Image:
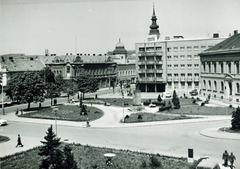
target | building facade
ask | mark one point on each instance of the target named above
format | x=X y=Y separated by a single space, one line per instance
x=220 y=71
x=170 y=64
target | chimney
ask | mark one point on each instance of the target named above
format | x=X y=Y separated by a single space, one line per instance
x=46 y=52
x=235 y=32
x=215 y=35
x=77 y=54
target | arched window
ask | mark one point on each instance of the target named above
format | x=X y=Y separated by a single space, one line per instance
x=68 y=69
x=238 y=88
x=204 y=84
x=209 y=84
x=215 y=85
x=222 y=86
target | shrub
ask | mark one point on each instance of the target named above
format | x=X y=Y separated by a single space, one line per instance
x=144 y=164
x=230 y=106
x=194 y=101
x=203 y=103
x=168 y=107
x=139 y=117
x=154 y=162
x=146 y=103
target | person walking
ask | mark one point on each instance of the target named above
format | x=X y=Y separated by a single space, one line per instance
x=231 y=159
x=19 y=142
x=225 y=158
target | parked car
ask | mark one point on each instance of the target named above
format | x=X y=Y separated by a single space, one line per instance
x=166 y=95
x=194 y=92
x=3 y=122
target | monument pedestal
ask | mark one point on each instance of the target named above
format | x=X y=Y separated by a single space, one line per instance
x=137 y=97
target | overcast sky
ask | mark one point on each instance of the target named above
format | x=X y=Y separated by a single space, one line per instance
x=95 y=26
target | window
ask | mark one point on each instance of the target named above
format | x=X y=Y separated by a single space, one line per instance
x=196 y=48
x=189 y=48
x=169 y=66
x=238 y=88
x=175 y=66
x=204 y=67
x=68 y=69
x=169 y=57
x=182 y=49
x=237 y=68
x=204 y=84
x=175 y=49
x=209 y=85
x=203 y=47
x=222 y=86
x=221 y=65
x=169 y=75
x=189 y=57
x=182 y=66
x=215 y=67
x=209 y=67
x=175 y=57
x=196 y=65
x=182 y=57
x=215 y=85
x=159 y=48
x=196 y=57
x=189 y=66
x=169 y=49
x=229 y=67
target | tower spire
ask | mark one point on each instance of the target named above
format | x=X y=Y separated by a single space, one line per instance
x=154 y=27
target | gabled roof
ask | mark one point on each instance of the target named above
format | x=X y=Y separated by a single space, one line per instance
x=230 y=45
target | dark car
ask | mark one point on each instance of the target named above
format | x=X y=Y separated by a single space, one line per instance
x=194 y=92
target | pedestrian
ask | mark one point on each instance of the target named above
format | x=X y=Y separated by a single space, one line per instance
x=17 y=112
x=225 y=158
x=19 y=142
x=231 y=159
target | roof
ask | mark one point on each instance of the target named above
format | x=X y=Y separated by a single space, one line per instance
x=230 y=45
x=19 y=65
x=119 y=49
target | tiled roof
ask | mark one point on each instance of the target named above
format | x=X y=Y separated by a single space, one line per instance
x=229 y=45
x=23 y=65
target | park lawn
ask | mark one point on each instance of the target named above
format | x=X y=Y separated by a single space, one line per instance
x=93 y=157
x=65 y=112
x=150 y=117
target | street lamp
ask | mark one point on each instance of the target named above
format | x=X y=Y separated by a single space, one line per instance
x=3 y=70
x=123 y=107
x=55 y=109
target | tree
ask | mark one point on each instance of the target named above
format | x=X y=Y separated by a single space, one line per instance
x=53 y=85
x=70 y=87
x=236 y=119
x=87 y=84
x=159 y=98
x=26 y=87
x=49 y=150
x=69 y=162
x=175 y=100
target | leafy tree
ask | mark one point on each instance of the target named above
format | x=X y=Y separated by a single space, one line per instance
x=175 y=100
x=53 y=85
x=70 y=87
x=87 y=84
x=159 y=98
x=69 y=162
x=26 y=87
x=50 y=151
x=154 y=162
x=236 y=119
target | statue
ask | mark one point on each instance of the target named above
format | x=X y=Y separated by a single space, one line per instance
x=137 y=85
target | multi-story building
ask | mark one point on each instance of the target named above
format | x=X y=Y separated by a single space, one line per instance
x=220 y=73
x=170 y=64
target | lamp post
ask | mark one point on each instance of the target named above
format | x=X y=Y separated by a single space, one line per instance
x=123 y=107
x=3 y=70
x=55 y=109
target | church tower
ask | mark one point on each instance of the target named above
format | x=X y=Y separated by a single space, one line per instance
x=154 y=32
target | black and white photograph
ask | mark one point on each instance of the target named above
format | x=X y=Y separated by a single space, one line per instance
x=120 y=84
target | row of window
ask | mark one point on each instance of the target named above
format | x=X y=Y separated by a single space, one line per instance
x=212 y=68
x=183 y=57
x=183 y=75
x=182 y=66
x=188 y=48
x=126 y=72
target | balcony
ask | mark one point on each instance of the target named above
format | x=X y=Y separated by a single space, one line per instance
x=160 y=62
x=150 y=62
x=176 y=78
x=150 y=79
x=141 y=70
x=150 y=70
x=158 y=79
x=196 y=79
x=169 y=79
x=158 y=70
x=141 y=62
x=182 y=78
x=189 y=78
